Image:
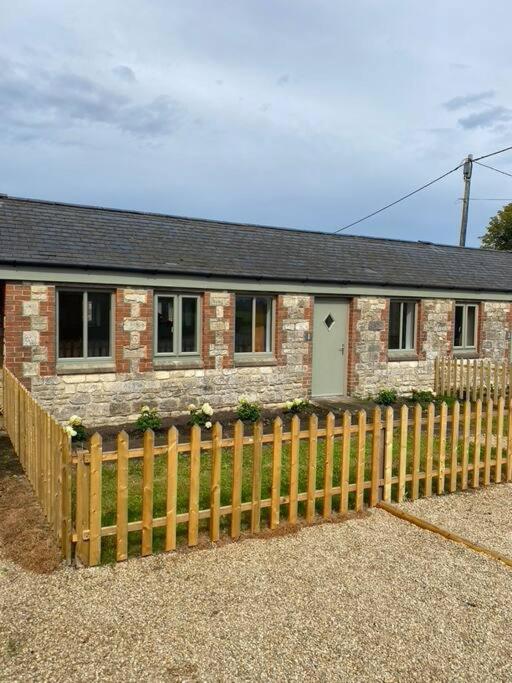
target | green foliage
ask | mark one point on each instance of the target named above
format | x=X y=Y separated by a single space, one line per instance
x=422 y=397
x=449 y=400
x=76 y=429
x=297 y=406
x=499 y=230
x=247 y=411
x=201 y=415
x=148 y=419
x=386 y=397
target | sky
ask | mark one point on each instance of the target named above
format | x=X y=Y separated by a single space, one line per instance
x=297 y=113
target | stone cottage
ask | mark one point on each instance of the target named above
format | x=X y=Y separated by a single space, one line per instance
x=105 y=310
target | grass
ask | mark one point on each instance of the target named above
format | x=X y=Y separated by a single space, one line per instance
x=160 y=476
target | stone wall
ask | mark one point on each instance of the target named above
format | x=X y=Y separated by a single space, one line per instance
x=495 y=326
x=116 y=397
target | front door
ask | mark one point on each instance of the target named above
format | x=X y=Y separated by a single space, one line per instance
x=330 y=320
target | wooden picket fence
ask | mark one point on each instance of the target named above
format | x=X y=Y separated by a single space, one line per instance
x=210 y=485
x=472 y=378
x=43 y=448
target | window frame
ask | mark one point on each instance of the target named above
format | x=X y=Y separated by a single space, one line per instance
x=414 y=348
x=85 y=334
x=271 y=335
x=177 y=298
x=465 y=305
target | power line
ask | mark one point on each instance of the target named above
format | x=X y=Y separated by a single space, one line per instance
x=486 y=199
x=498 y=170
x=499 y=151
x=397 y=201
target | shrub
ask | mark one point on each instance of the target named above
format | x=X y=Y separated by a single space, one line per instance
x=297 y=406
x=386 y=397
x=148 y=419
x=201 y=415
x=422 y=397
x=75 y=428
x=247 y=411
x=449 y=400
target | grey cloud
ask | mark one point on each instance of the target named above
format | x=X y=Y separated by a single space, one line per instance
x=283 y=80
x=40 y=101
x=462 y=101
x=487 y=118
x=124 y=73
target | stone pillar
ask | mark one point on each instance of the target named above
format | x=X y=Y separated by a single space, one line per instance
x=134 y=330
x=495 y=326
x=218 y=329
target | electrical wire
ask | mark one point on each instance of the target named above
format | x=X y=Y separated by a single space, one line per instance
x=498 y=170
x=499 y=151
x=397 y=201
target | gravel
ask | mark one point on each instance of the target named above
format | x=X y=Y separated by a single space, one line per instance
x=482 y=515
x=370 y=599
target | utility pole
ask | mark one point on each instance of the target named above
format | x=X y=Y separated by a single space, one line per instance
x=466 y=174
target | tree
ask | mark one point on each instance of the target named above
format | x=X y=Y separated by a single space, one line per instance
x=499 y=231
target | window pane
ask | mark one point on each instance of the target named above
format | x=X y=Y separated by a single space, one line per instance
x=71 y=340
x=188 y=325
x=459 y=316
x=98 y=324
x=394 y=325
x=165 y=325
x=409 y=309
x=243 y=324
x=471 y=326
x=262 y=331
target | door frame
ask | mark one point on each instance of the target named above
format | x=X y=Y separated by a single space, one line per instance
x=345 y=342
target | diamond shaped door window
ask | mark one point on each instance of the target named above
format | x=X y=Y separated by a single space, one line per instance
x=329 y=321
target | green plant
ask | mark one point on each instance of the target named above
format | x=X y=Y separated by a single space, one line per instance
x=423 y=397
x=297 y=406
x=449 y=400
x=201 y=415
x=148 y=419
x=75 y=429
x=247 y=411
x=386 y=397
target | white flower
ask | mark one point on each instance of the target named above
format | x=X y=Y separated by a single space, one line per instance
x=207 y=409
x=208 y=424
x=191 y=407
x=69 y=430
x=145 y=409
x=288 y=405
x=75 y=420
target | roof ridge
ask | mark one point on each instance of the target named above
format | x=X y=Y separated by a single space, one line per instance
x=310 y=231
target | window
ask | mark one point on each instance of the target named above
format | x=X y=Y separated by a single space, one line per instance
x=402 y=325
x=253 y=324
x=464 y=332
x=177 y=324
x=84 y=324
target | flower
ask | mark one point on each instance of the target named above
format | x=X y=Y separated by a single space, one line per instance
x=69 y=430
x=207 y=409
x=75 y=420
x=145 y=409
x=191 y=407
x=288 y=405
x=208 y=424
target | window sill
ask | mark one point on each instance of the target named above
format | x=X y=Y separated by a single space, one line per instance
x=397 y=356
x=188 y=363
x=463 y=353
x=254 y=360
x=85 y=367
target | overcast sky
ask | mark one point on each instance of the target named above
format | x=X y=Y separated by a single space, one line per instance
x=304 y=113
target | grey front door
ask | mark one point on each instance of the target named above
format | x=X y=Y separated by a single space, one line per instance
x=330 y=320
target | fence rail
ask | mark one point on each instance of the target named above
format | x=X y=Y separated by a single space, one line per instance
x=112 y=504
x=43 y=449
x=472 y=378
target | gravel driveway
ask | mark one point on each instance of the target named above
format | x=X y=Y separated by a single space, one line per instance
x=369 y=599
x=483 y=515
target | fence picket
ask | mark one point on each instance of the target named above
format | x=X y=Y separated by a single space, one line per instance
x=312 y=461
x=215 y=482
x=83 y=486
x=465 y=444
x=499 y=441
x=416 y=456
x=429 y=448
x=328 y=464
x=376 y=456
x=236 y=491
x=172 y=489
x=478 y=443
x=402 y=461
x=95 y=449
x=122 y=496
x=65 y=498
x=294 y=469
x=360 y=460
x=509 y=436
x=488 y=442
x=277 y=448
x=193 y=499
x=441 y=463
x=345 y=461
x=454 y=446
x=388 y=454
x=256 y=478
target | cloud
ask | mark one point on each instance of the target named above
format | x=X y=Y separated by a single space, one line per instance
x=40 y=102
x=462 y=101
x=124 y=73
x=283 y=80
x=488 y=118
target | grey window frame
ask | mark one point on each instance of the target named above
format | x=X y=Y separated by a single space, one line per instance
x=84 y=358
x=177 y=297
x=271 y=312
x=413 y=348
x=465 y=305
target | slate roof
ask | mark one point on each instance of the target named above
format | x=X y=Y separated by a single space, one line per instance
x=34 y=232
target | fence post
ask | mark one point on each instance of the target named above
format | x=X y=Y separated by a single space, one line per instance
x=83 y=478
x=65 y=497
